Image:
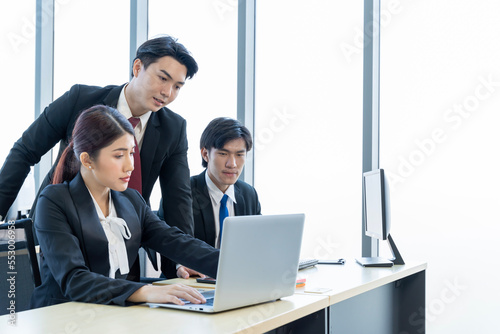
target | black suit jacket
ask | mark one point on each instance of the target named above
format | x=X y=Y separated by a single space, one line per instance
x=75 y=262
x=247 y=203
x=163 y=152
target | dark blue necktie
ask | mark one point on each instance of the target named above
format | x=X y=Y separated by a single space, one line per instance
x=223 y=213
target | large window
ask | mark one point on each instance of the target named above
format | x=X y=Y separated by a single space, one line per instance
x=209 y=32
x=308 y=115
x=17 y=54
x=440 y=97
x=91 y=44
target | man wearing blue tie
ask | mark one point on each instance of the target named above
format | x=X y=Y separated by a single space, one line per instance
x=217 y=192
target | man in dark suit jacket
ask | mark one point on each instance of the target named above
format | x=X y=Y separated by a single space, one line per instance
x=224 y=145
x=247 y=203
x=160 y=69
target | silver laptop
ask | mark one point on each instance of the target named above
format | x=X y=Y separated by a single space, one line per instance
x=258 y=262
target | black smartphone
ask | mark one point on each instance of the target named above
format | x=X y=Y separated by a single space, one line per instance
x=209 y=280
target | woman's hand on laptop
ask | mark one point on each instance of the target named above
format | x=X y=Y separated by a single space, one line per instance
x=185 y=272
x=167 y=294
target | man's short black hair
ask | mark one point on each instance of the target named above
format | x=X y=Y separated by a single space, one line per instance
x=222 y=130
x=152 y=50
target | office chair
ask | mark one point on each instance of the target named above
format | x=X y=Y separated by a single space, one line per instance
x=19 y=271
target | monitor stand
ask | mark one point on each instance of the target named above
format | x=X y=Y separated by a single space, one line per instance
x=374 y=262
x=382 y=262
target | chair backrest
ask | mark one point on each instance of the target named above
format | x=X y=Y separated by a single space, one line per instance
x=19 y=271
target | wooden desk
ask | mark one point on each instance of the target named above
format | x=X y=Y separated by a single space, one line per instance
x=371 y=300
x=95 y=319
x=360 y=300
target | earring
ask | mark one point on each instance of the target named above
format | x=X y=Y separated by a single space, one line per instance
x=90 y=167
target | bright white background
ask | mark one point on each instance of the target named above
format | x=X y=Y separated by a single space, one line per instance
x=91 y=43
x=308 y=103
x=435 y=57
x=17 y=54
x=210 y=34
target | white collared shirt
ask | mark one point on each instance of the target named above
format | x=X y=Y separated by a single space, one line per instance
x=216 y=195
x=116 y=230
x=124 y=109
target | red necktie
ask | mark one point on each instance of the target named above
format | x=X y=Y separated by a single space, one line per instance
x=135 y=179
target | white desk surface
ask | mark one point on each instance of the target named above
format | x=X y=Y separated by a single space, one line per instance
x=84 y=318
x=344 y=281
x=351 y=279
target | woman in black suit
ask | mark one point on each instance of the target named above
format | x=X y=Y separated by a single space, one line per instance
x=90 y=226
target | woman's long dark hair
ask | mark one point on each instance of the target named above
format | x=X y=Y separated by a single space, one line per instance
x=95 y=128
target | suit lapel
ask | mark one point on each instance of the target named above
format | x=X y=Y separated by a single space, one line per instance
x=94 y=239
x=207 y=211
x=125 y=210
x=239 y=206
x=112 y=98
x=95 y=243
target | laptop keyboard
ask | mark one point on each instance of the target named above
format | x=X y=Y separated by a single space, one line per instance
x=306 y=263
x=209 y=296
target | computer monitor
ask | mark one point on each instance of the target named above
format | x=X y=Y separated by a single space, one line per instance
x=377 y=214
